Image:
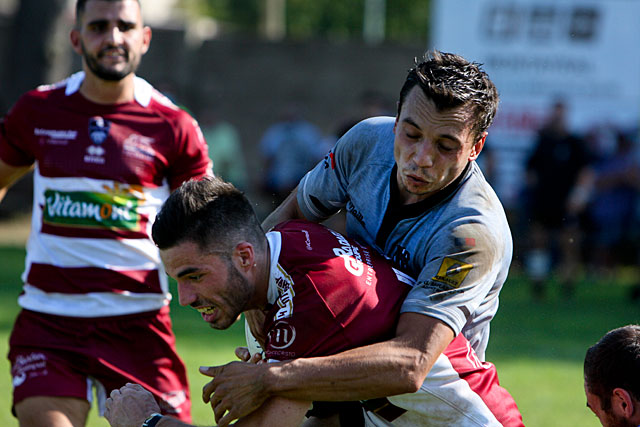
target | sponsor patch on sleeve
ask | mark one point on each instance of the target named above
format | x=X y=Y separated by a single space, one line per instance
x=452 y=272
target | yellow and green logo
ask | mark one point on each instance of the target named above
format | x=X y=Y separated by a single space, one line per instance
x=93 y=210
x=452 y=272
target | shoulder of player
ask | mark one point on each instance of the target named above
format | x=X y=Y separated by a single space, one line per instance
x=370 y=132
x=43 y=93
x=368 y=142
x=172 y=114
x=34 y=103
x=297 y=226
x=474 y=197
x=475 y=204
x=162 y=105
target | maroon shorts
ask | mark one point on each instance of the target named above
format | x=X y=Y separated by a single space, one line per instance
x=65 y=356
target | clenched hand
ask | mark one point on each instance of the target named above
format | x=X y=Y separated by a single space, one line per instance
x=129 y=406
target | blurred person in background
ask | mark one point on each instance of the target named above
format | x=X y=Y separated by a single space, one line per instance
x=612 y=377
x=371 y=103
x=552 y=171
x=224 y=146
x=106 y=149
x=289 y=148
x=612 y=211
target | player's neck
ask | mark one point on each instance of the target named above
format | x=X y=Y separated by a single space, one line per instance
x=107 y=92
x=263 y=275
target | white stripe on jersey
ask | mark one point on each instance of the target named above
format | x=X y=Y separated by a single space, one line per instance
x=404 y=278
x=125 y=254
x=93 y=304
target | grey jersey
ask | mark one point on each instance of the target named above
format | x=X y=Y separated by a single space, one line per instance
x=457 y=243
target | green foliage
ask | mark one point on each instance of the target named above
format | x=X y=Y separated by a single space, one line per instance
x=538 y=348
x=235 y=15
x=324 y=19
x=407 y=20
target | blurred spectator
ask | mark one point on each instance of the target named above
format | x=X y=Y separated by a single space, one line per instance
x=553 y=169
x=225 y=149
x=371 y=104
x=289 y=149
x=612 y=377
x=612 y=211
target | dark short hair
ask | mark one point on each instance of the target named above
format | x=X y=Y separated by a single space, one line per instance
x=613 y=362
x=451 y=81
x=209 y=212
x=80 y=5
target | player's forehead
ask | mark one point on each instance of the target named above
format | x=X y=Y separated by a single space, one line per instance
x=188 y=257
x=108 y=10
x=422 y=112
x=180 y=256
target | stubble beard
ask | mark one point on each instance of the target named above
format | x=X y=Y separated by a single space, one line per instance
x=109 y=74
x=237 y=298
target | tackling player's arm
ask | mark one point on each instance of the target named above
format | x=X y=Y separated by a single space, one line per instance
x=392 y=367
x=276 y=411
x=287 y=210
x=10 y=174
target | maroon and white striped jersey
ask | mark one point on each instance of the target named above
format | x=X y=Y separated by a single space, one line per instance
x=101 y=174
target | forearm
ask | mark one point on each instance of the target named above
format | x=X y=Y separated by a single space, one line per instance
x=392 y=367
x=382 y=369
x=9 y=175
x=363 y=373
x=288 y=209
x=276 y=411
x=171 y=422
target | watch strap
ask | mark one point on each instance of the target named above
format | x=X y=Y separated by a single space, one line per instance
x=152 y=420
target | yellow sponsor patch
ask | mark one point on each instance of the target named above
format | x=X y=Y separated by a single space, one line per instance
x=452 y=272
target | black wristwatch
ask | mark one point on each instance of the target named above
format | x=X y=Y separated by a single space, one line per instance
x=152 y=420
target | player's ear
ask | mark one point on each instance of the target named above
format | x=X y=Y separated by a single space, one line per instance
x=622 y=403
x=146 y=39
x=244 y=256
x=74 y=36
x=477 y=146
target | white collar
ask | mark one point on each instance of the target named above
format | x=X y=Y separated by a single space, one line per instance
x=274 y=238
x=142 y=89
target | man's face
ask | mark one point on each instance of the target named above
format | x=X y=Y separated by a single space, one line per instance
x=209 y=283
x=607 y=419
x=111 y=38
x=431 y=148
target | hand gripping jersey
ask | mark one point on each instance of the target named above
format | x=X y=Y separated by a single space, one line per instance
x=102 y=173
x=456 y=243
x=328 y=294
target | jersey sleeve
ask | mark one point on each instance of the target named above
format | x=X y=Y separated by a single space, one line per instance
x=191 y=157
x=459 y=272
x=14 y=145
